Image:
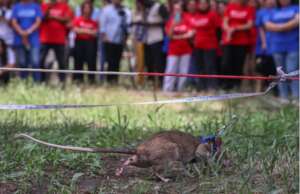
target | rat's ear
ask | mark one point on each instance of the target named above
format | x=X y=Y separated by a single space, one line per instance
x=218 y=141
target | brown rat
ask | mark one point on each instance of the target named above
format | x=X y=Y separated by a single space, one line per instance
x=156 y=152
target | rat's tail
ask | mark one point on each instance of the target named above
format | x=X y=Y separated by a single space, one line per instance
x=80 y=149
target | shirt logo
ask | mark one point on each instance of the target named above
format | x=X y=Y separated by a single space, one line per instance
x=238 y=14
x=199 y=22
x=56 y=12
x=26 y=13
x=86 y=25
x=180 y=29
x=284 y=15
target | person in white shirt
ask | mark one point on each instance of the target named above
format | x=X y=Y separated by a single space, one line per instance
x=114 y=25
x=6 y=32
x=156 y=15
x=7 y=59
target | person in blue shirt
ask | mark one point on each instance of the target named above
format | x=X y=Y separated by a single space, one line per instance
x=264 y=61
x=26 y=19
x=283 y=24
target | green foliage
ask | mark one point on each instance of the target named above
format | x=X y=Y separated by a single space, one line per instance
x=262 y=146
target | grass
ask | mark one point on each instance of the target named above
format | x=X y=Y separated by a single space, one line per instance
x=262 y=145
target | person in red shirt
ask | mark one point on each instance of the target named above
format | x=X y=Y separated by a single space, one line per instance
x=249 y=67
x=54 y=30
x=206 y=23
x=86 y=30
x=192 y=10
x=179 y=53
x=237 y=24
x=221 y=6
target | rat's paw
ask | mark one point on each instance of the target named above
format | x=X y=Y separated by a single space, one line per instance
x=119 y=171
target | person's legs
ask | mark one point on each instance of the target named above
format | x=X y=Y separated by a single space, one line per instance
x=227 y=66
x=59 y=50
x=43 y=54
x=79 y=60
x=183 y=66
x=172 y=67
x=35 y=62
x=148 y=58
x=193 y=70
x=199 y=63
x=107 y=51
x=102 y=58
x=280 y=61
x=113 y=57
x=21 y=60
x=292 y=64
x=91 y=58
x=210 y=64
x=4 y=78
x=157 y=59
x=239 y=57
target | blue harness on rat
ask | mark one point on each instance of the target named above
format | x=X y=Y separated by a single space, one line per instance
x=216 y=140
x=210 y=139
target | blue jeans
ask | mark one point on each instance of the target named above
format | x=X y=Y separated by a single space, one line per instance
x=289 y=61
x=25 y=58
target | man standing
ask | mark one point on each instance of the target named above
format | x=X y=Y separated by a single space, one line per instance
x=114 y=23
x=54 y=31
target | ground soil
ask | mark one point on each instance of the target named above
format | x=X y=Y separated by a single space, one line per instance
x=134 y=180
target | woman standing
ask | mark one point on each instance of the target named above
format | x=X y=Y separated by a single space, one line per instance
x=264 y=60
x=86 y=30
x=179 y=52
x=206 y=24
x=26 y=20
x=283 y=23
x=237 y=23
x=192 y=10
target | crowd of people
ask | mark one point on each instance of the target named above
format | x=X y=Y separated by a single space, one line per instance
x=233 y=37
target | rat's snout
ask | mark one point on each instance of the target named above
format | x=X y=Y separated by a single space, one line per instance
x=119 y=171
x=203 y=150
x=133 y=159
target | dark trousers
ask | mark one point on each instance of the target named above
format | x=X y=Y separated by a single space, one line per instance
x=265 y=65
x=59 y=50
x=206 y=62
x=113 y=55
x=154 y=58
x=232 y=64
x=4 y=78
x=85 y=52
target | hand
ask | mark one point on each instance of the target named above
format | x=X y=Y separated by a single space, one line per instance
x=229 y=32
x=263 y=46
x=174 y=23
x=28 y=31
x=25 y=41
x=52 y=17
x=105 y=38
x=23 y=33
x=296 y=17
